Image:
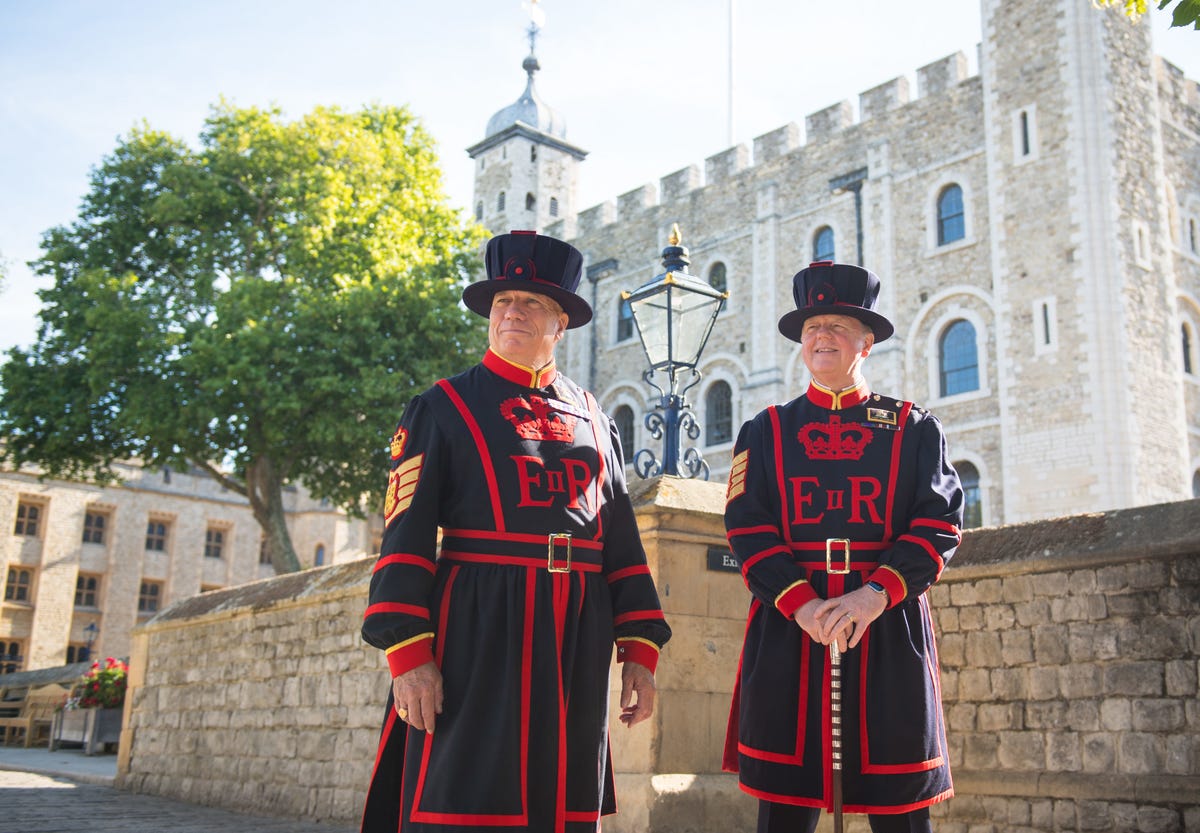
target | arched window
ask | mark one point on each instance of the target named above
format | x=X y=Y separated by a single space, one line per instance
x=1196 y=484
x=1186 y=336
x=533 y=153
x=624 y=320
x=958 y=359
x=623 y=417
x=479 y=211
x=950 y=219
x=718 y=279
x=554 y=206
x=718 y=414
x=500 y=202
x=823 y=244
x=968 y=475
x=319 y=555
x=530 y=202
x=1193 y=240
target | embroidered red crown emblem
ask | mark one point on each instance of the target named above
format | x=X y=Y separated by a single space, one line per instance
x=835 y=441
x=536 y=419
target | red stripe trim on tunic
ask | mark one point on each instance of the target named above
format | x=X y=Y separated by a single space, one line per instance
x=819 y=566
x=397 y=607
x=561 y=593
x=635 y=570
x=780 y=798
x=638 y=616
x=870 y=546
x=404 y=558
x=585 y=816
x=759 y=556
x=929 y=550
x=777 y=443
x=485 y=457
x=893 y=471
x=750 y=530
x=529 y=562
x=899 y=808
x=936 y=524
x=593 y=408
x=518 y=537
x=773 y=757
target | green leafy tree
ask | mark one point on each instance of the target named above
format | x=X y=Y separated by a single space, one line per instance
x=1186 y=13
x=261 y=308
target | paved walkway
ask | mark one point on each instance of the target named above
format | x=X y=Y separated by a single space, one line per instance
x=66 y=791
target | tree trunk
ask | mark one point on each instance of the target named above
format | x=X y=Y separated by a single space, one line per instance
x=264 y=488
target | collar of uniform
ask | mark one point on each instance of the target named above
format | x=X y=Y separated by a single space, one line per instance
x=818 y=394
x=518 y=373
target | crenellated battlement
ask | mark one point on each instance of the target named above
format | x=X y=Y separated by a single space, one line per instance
x=824 y=125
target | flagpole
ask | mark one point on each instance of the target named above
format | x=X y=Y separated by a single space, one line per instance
x=730 y=103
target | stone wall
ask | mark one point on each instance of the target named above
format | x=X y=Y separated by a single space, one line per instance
x=1070 y=653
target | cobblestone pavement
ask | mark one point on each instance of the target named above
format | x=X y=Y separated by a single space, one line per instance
x=35 y=803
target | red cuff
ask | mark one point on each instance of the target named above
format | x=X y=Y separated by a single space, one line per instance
x=410 y=653
x=642 y=651
x=892 y=582
x=794 y=598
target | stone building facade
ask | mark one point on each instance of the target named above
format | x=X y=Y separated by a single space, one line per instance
x=84 y=564
x=1037 y=229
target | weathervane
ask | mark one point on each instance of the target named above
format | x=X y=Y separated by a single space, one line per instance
x=537 y=19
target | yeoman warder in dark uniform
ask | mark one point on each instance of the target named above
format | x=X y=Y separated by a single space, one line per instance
x=500 y=641
x=842 y=509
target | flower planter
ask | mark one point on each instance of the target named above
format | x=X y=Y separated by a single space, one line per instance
x=92 y=728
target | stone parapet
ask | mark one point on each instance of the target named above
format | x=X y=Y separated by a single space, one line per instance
x=1069 y=654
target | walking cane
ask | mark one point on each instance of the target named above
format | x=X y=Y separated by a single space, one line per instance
x=835 y=744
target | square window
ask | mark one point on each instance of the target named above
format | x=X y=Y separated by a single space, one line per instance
x=11 y=657
x=149 y=596
x=156 y=536
x=94 y=525
x=214 y=542
x=18 y=587
x=87 y=589
x=29 y=515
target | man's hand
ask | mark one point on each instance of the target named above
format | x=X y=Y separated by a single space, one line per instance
x=636 y=679
x=845 y=618
x=418 y=696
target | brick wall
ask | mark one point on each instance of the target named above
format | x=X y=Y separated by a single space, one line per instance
x=1070 y=652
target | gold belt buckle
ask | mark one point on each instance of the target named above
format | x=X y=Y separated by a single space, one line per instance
x=553 y=538
x=844 y=543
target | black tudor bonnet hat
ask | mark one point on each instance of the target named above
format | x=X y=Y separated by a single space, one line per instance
x=531 y=262
x=828 y=288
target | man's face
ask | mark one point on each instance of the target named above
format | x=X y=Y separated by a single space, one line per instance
x=833 y=346
x=524 y=327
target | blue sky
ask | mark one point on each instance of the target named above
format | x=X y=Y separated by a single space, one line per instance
x=642 y=85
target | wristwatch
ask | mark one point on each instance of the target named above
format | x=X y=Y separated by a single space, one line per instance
x=877 y=587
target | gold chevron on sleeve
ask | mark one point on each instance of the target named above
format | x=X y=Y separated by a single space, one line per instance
x=737 y=476
x=402 y=485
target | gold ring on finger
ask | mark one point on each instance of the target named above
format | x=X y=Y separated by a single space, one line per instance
x=403 y=713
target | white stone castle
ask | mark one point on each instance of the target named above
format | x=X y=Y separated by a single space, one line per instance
x=1036 y=227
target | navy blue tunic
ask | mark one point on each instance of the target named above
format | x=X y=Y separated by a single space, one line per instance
x=521 y=471
x=826 y=493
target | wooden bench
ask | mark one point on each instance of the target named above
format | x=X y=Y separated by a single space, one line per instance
x=36 y=711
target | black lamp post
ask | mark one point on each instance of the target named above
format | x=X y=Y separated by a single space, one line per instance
x=91 y=630
x=674 y=316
